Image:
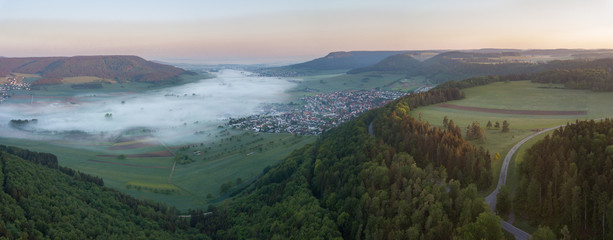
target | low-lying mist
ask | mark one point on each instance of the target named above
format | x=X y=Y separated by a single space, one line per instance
x=173 y=114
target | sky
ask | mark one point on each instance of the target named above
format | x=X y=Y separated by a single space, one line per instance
x=275 y=31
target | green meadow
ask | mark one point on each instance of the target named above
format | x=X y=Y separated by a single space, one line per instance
x=227 y=155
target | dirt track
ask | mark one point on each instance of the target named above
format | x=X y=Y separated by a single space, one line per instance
x=509 y=111
x=126 y=164
x=131 y=146
x=143 y=155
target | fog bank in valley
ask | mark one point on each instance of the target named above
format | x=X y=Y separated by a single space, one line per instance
x=171 y=112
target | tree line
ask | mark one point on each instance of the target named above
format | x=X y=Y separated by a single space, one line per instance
x=595 y=79
x=49 y=160
x=591 y=77
x=39 y=202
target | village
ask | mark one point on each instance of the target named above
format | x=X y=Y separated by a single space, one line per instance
x=320 y=112
x=11 y=82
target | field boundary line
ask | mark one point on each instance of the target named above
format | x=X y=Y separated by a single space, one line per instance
x=511 y=111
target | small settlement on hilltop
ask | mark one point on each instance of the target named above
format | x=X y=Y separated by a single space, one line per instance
x=11 y=82
x=319 y=112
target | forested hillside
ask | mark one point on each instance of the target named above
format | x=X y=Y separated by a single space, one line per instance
x=400 y=62
x=40 y=201
x=398 y=183
x=567 y=180
x=345 y=60
x=120 y=68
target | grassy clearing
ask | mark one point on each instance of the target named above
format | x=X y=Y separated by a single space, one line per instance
x=524 y=95
x=513 y=179
x=513 y=175
x=233 y=155
x=156 y=188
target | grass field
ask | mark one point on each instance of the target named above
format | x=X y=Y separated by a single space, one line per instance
x=223 y=156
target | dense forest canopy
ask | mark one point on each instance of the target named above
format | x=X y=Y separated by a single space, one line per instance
x=359 y=181
x=567 y=180
x=43 y=200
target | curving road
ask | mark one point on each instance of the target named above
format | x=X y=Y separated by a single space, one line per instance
x=502 y=180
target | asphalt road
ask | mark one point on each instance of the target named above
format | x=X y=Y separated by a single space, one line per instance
x=502 y=180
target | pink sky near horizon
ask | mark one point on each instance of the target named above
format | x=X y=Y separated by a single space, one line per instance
x=272 y=31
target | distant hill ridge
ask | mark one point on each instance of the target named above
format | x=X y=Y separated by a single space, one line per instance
x=116 y=67
x=346 y=60
x=453 y=65
x=399 y=62
x=443 y=65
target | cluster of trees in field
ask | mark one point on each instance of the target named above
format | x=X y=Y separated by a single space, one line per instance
x=40 y=202
x=474 y=132
x=350 y=184
x=22 y=123
x=566 y=180
x=505 y=125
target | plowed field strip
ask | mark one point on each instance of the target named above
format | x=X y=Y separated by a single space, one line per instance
x=510 y=111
